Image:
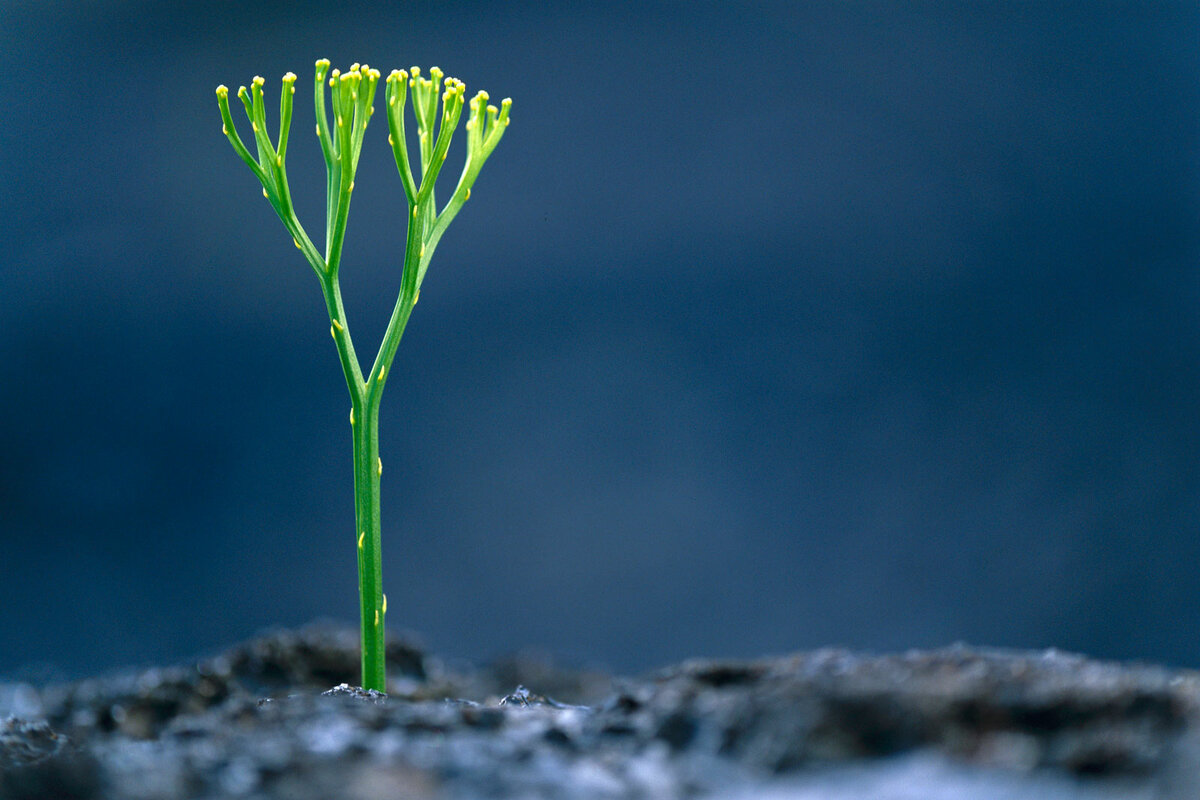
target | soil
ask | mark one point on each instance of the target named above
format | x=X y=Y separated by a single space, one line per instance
x=276 y=718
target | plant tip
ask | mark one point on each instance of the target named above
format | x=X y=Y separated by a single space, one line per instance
x=222 y=91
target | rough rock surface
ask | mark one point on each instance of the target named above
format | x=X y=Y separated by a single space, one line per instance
x=262 y=721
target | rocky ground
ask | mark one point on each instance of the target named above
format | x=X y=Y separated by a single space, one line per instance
x=270 y=719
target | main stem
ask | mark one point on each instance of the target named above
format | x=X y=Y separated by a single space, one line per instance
x=370 y=566
x=364 y=422
x=365 y=395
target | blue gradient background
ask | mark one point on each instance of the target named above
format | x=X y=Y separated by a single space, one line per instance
x=769 y=326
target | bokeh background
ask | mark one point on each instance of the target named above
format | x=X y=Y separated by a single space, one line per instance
x=769 y=326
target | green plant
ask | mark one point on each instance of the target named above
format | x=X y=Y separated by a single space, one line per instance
x=353 y=96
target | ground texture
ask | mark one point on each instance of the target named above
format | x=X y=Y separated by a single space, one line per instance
x=272 y=719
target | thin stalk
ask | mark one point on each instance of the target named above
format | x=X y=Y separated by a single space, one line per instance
x=372 y=603
x=352 y=102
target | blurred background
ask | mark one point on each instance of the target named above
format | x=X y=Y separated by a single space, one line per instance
x=769 y=326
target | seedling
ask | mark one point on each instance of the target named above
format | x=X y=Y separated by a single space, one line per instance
x=353 y=97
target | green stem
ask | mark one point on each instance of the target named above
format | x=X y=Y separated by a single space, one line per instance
x=367 y=469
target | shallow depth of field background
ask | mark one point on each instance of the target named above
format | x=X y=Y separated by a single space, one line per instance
x=768 y=326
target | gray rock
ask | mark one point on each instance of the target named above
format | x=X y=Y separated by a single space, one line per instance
x=261 y=721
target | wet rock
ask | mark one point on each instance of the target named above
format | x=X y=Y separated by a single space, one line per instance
x=262 y=721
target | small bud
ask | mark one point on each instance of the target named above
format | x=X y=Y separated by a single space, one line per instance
x=224 y=130
x=318 y=127
x=279 y=161
x=352 y=416
x=416 y=297
x=376 y=616
x=296 y=243
x=350 y=188
x=385 y=604
x=379 y=467
x=391 y=141
x=339 y=120
x=337 y=325
x=361 y=536
x=332 y=335
x=265 y=193
x=467 y=196
x=414 y=212
x=420 y=254
x=254 y=126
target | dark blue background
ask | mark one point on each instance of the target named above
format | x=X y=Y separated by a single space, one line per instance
x=768 y=326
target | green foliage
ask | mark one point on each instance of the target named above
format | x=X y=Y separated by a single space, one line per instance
x=352 y=96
